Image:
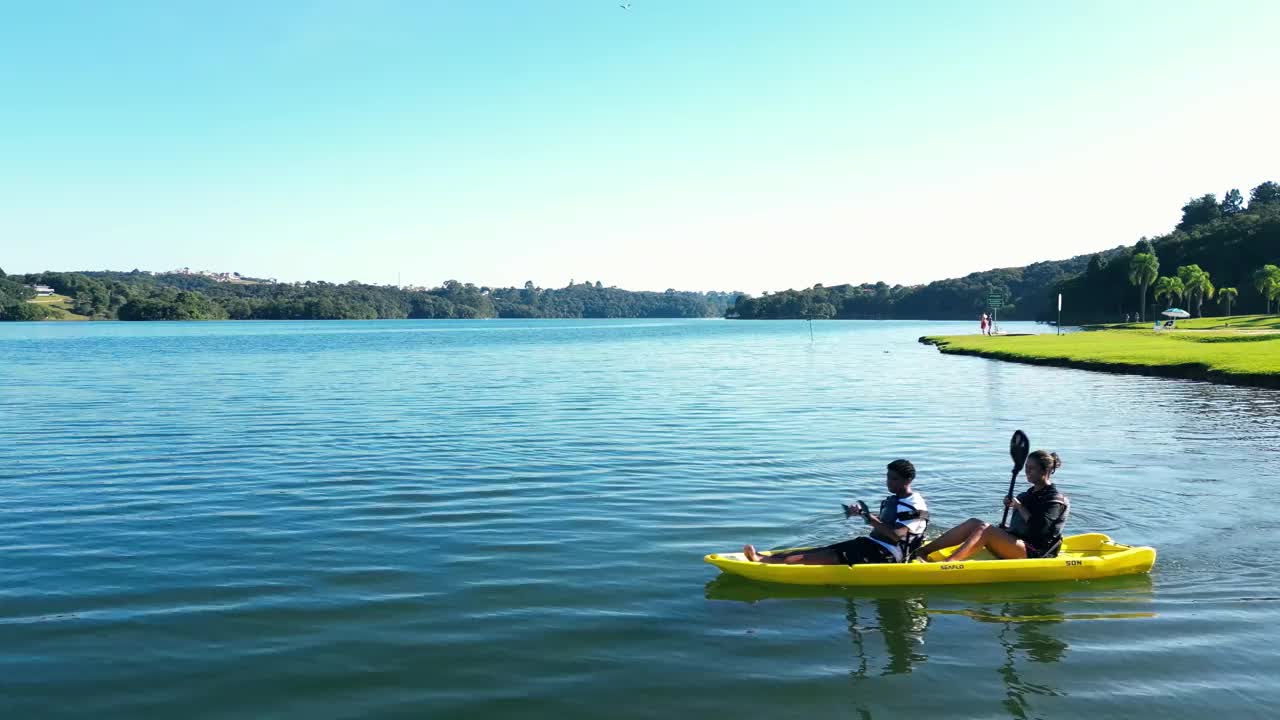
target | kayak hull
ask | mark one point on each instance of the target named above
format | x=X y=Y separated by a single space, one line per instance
x=1082 y=557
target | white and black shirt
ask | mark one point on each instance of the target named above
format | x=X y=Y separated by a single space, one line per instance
x=910 y=512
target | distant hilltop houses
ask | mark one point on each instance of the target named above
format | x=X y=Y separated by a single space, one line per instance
x=42 y=290
x=227 y=277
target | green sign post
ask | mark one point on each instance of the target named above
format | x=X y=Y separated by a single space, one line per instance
x=995 y=301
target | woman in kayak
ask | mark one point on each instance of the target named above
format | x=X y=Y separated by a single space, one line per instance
x=895 y=532
x=1038 y=517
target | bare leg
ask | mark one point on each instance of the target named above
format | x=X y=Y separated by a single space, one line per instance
x=818 y=556
x=954 y=536
x=1000 y=543
x=1005 y=546
x=971 y=544
x=815 y=556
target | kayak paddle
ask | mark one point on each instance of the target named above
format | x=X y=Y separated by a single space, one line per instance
x=1019 y=448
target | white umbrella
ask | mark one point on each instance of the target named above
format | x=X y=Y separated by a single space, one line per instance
x=1176 y=313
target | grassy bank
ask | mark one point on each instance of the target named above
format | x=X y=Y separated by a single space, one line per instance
x=61 y=304
x=1238 y=357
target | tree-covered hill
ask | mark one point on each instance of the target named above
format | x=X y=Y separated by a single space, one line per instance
x=952 y=299
x=1230 y=248
x=1227 y=241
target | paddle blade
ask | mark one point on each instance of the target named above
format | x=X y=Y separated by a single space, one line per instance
x=1019 y=448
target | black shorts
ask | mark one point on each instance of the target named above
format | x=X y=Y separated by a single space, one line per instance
x=862 y=551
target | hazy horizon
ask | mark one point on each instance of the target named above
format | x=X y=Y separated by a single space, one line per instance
x=719 y=146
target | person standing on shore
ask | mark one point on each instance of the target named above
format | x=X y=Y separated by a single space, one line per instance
x=982 y=325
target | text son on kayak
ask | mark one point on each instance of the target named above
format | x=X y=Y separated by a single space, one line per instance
x=896 y=531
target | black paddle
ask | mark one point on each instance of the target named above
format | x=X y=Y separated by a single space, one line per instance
x=1019 y=448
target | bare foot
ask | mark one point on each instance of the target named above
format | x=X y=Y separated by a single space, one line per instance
x=750 y=552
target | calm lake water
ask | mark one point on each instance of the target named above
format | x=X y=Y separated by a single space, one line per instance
x=507 y=519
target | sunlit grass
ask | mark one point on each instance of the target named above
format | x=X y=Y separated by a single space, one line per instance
x=1232 y=356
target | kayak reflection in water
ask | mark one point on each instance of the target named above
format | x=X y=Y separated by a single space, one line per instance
x=895 y=532
x=902 y=623
x=1038 y=518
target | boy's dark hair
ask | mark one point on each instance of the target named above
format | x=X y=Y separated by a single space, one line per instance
x=904 y=469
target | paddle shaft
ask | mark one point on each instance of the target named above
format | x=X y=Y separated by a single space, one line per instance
x=1013 y=481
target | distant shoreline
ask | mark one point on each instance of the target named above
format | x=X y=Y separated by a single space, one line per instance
x=141 y=296
x=81 y=318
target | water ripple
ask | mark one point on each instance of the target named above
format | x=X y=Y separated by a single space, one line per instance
x=472 y=519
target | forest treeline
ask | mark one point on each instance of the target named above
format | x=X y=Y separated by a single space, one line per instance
x=138 y=295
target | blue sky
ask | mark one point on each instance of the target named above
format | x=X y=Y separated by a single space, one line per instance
x=699 y=145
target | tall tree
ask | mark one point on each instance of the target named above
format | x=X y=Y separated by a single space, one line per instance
x=1169 y=288
x=1143 y=270
x=1226 y=295
x=1267 y=281
x=1197 y=284
x=1268 y=193
x=1232 y=202
x=1200 y=211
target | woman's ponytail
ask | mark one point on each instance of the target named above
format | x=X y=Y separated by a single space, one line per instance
x=1047 y=460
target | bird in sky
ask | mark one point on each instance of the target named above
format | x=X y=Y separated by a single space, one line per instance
x=627 y=6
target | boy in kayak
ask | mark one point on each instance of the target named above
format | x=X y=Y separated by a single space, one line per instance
x=895 y=532
x=1039 y=515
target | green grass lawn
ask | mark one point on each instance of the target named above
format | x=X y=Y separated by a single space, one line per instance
x=59 y=303
x=1223 y=356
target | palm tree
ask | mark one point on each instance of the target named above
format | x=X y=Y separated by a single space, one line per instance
x=1226 y=295
x=1197 y=284
x=1169 y=287
x=1267 y=281
x=1206 y=290
x=1143 y=270
x=1187 y=274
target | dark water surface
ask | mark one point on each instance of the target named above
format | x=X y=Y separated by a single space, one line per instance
x=507 y=518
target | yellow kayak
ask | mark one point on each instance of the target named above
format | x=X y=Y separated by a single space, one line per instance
x=1082 y=557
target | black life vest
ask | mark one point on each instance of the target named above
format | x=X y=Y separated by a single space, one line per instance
x=1039 y=503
